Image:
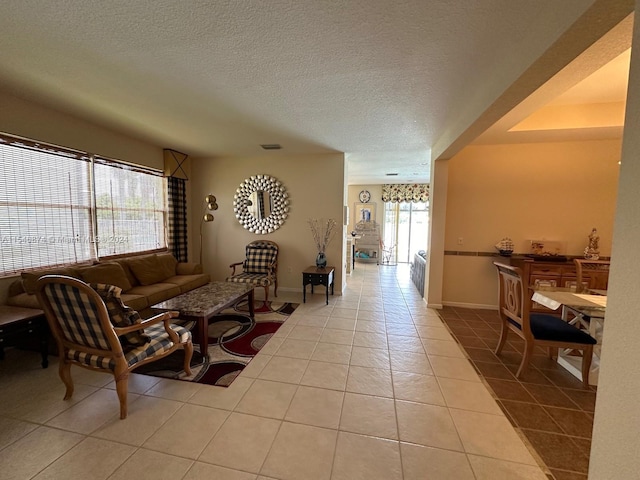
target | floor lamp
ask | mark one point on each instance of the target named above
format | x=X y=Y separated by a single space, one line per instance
x=210 y=204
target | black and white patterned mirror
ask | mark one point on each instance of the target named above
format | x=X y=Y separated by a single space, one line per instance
x=261 y=204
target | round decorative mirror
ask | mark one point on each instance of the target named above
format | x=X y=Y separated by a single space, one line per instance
x=261 y=204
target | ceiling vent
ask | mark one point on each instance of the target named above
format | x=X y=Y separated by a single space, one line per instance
x=271 y=146
x=392 y=174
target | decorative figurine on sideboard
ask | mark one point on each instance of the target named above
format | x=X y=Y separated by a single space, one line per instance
x=505 y=247
x=592 y=251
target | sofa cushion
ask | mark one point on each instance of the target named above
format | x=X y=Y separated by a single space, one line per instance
x=25 y=300
x=185 y=268
x=29 y=279
x=106 y=273
x=148 y=269
x=188 y=282
x=168 y=263
x=156 y=293
x=124 y=263
x=121 y=315
x=137 y=302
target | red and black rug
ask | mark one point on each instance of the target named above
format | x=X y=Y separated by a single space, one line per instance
x=234 y=339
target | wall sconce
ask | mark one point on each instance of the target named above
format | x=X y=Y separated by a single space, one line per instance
x=210 y=204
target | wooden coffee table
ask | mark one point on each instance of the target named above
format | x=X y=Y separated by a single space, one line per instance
x=204 y=303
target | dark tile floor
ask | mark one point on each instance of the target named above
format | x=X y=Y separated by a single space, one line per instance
x=549 y=405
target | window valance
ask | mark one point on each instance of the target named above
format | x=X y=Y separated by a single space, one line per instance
x=415 y=192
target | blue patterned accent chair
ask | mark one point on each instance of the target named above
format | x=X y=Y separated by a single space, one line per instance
x=536 y=329
x=259 y=268
x=95 y=330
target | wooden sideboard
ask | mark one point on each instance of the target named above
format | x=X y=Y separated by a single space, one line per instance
x=541 y=273
x=556 y=274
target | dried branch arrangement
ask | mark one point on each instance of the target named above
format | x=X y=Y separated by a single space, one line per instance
x=323 y=232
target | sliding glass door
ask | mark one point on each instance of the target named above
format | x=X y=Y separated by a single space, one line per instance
x=406 y=226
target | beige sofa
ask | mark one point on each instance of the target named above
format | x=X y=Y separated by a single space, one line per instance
x=145 y=279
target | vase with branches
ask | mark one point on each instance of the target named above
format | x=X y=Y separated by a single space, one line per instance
x=323 y=232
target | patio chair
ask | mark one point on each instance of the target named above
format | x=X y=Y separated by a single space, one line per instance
x=260 y=267
x=98 y=332
x=536 y=329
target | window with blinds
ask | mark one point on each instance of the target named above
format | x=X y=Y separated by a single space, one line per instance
x=45 y=209
x=47 y=214
x=130 y=209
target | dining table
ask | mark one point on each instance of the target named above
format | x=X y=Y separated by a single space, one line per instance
x=585 y=310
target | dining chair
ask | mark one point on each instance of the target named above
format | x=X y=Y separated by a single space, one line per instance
x=95 y=330
x=591 y=274
x=260 y=266
x=536 y=329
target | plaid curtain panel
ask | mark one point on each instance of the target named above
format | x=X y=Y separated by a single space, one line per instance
x=177 y=230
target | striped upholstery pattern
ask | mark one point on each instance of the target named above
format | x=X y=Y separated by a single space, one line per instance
x=159 y=342
x=259 y=258
x=78 y=316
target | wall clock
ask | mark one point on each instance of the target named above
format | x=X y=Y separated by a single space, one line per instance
x=365 y=196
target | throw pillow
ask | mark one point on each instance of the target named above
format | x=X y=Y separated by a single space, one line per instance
x=168 y=264
x=29 y=279
x=107 y=273
x=148 y=270
x=121 y=315
x=258 y=259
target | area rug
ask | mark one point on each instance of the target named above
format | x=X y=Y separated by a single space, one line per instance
x=234 y=339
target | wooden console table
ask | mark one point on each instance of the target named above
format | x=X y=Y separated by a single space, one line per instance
x=317 y=276
x=18 y=323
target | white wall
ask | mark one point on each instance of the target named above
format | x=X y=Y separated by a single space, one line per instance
x=30 y=120
x=615 y=450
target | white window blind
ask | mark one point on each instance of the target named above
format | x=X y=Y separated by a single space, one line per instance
x=130 y=208
x=45 y=207
x=62 y=207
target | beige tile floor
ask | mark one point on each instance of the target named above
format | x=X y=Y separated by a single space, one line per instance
x=371 y=386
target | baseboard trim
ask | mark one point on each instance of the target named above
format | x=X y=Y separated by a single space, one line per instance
x=437 y=306
x=478 y=306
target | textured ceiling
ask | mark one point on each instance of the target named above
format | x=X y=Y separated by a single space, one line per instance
x=378 y=80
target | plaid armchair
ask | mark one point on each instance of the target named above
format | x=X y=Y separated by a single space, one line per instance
x=259 y=268
x=95 y=330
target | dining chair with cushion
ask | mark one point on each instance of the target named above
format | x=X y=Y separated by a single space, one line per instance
x=536 y=329
x=95 y=330
x=260 y=267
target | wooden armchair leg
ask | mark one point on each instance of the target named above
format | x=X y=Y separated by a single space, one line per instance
x=266 y=293
x=65 y=375
x=122 y=387
x=188 y=354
